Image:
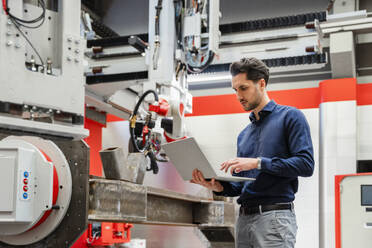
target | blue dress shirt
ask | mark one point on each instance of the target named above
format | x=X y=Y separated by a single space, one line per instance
x=281 y=138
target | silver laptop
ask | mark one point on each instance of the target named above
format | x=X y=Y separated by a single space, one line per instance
x=186 y=156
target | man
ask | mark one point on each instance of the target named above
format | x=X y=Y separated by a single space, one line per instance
x=275 y=148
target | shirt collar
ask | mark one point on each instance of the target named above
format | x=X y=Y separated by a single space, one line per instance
x=269 y=107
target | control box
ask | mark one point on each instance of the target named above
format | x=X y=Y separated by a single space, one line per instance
x=16 y=184
x=354 y=210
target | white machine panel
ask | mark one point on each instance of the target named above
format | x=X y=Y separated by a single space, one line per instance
x=16 y=184
x=40 y=183
x=214 y=21
x=62 y=90
x=7 y=178
x=164 y=63
x=356 y=211
x=31 y=188
x=192 y=25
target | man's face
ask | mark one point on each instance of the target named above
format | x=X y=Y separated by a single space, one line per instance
x=249 y=94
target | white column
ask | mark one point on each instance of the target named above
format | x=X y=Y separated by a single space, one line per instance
x=337 y=148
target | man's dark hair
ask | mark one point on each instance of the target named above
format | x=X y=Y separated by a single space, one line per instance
x=254 y=68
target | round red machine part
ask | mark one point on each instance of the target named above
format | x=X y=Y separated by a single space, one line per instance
x=55 y=192
x=161 y=109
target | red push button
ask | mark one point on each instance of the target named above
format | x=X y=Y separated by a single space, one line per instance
x=25 y=181
x=25 y=188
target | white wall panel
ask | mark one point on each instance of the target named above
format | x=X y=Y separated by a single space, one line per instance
x=338 y=142
x=364 y=132
x=217 y=134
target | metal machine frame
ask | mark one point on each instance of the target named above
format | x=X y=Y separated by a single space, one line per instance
x=34 y=92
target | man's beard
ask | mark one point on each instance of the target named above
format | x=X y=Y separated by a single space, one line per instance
x=252 y=105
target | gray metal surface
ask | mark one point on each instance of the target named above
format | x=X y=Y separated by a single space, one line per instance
x=99 y=102
x=58 y=41
x=59 y=38
x=117 y=201
x=365 y=4
x=219 y=235
x=342 y=55
x=112 y=200
x=95 y=115
x=216 y=213
x=117 y=166
x=136 y=164
x=113 y=162
x=75 y=221
x=210 y=213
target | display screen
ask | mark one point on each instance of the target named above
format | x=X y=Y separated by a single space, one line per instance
x=366 y=195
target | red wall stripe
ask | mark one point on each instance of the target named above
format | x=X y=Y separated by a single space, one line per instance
x=364 y=94
x=334 y=90
x=299 y=98
x=329 y=91
x=216 y=105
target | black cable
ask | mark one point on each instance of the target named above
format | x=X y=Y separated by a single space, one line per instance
x=153 y=164
x=132 y=91
x=203 y=67
x=178 y=22
x=29 y=42
x=142 y=98
x=30 y=27
x=18 y=22
x=22 y=22
x=134 y=115
x=157 y=16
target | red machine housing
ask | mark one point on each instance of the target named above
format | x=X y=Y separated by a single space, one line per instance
x=109 y=231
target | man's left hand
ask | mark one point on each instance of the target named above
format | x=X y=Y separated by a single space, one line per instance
x=239 y=164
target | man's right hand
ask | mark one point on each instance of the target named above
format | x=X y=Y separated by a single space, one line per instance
x=198 y=178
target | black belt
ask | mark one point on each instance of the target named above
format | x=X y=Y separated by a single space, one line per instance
x=264 y=208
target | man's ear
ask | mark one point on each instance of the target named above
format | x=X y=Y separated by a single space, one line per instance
x=262 y=83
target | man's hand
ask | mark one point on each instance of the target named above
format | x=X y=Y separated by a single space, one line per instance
x=198 y=178
x=239 y=164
